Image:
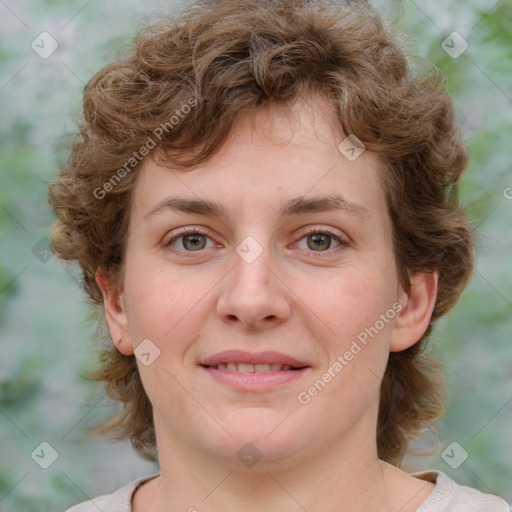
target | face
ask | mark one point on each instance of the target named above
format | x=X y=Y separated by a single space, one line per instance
x=266 y=280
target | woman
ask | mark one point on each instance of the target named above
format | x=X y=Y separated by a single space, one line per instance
x=262 y=201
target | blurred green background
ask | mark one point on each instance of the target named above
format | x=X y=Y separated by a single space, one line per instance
x=46 y=347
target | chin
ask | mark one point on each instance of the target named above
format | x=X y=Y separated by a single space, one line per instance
x=268 y=435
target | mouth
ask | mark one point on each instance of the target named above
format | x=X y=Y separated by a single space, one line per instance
x=256 y=372
x=254 y=368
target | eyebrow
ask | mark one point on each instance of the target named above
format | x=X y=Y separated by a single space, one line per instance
x=296 y=206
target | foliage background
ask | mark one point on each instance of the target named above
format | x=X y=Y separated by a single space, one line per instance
x=46 y=347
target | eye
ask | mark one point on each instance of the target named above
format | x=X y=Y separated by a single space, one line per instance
x=321 y=240
x=194 y=240
x=191 y=240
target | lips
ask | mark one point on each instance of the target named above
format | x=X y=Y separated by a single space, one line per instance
x=254 y=372
x=247 y=362
x=253 y=368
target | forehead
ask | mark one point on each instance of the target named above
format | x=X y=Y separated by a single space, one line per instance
x=269 y=161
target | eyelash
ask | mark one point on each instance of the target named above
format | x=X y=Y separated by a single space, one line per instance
x=343 y=243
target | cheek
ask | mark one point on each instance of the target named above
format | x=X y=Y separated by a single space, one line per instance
x=356 y=346
x=349 y=302
x=160 y=301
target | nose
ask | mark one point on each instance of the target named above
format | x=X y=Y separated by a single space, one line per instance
x=254 y=295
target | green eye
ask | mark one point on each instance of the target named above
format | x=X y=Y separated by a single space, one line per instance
x=191 y=240
x=321 y=240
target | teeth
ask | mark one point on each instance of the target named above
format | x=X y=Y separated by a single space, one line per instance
x=245 y=368
x=253 y=368
x=263 y=368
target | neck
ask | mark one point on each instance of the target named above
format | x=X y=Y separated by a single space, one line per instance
x=348 y=478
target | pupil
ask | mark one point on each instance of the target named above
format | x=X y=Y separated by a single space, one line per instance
x=319 y=242
x=194 y=241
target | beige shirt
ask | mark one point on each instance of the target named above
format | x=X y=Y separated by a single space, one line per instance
x=447 y=496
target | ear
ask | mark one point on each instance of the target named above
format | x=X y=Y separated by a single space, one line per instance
x=414 y=318
x=115 y=313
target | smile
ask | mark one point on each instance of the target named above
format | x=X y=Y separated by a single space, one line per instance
x=255 y=372
x=246 y=378
x=253 y=368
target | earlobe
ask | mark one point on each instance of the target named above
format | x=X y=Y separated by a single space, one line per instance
x=415 y=316
x=115 y=313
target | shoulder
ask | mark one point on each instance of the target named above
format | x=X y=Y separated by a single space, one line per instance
x=93 y=505
x=119 y=501
x=448 y=496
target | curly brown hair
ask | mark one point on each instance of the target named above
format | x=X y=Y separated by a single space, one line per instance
x=182 y=88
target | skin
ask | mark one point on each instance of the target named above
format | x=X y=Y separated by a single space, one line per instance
x=307 y=302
